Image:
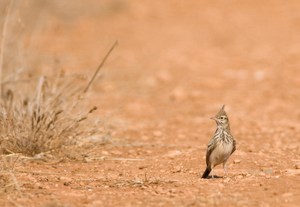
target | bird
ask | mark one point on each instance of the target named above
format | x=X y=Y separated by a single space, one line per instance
x=221 y=145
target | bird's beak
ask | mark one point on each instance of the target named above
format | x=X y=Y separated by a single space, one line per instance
x=214 y=118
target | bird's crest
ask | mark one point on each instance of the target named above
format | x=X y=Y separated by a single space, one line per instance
x=221 y=112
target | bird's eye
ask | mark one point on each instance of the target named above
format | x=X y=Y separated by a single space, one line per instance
x=222 y=117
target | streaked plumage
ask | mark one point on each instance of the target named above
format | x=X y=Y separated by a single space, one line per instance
x=221 y=145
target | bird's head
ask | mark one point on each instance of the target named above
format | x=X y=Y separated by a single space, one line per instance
x=221 y=118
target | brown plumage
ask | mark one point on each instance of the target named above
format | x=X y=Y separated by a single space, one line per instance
x=221 y=145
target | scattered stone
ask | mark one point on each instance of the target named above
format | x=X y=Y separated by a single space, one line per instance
x=239 y=177
x=142 y=167
x=172 y=191
x=105 y=152
x=65 y=179
x=236 y=161
x=67 y=183
x=268 y=176
x=226 y=180
x=297 y=166
x=177 y=169
x=87 y=160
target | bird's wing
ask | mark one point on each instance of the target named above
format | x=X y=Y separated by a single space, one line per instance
x=234 y=147
x=210 y=148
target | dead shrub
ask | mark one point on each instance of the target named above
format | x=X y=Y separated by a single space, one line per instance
x=45 y=118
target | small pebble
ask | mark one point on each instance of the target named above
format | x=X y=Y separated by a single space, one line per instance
x=297 y=166
x=236 y=161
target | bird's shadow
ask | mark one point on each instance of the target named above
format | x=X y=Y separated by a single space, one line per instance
x=215 y=177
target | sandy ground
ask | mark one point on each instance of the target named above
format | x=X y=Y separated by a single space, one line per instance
x=177 y=62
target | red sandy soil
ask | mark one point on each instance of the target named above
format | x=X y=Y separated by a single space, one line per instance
x=177 y=62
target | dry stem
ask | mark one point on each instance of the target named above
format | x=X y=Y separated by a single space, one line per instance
x=100 y=66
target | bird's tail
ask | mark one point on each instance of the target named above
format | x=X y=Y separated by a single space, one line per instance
x=206 y=172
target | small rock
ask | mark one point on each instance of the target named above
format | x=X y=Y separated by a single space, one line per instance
x=105 y=152
x=239 y=177
x=172 y=191
x=142 y=167
x=268 y=176
x=226 y=180
x=248 y=174
x=67 y=183
x=236 y=161
x=177 y=169
x=65 y=179
x=297 y=166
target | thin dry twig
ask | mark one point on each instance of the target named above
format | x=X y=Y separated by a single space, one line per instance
x=100 y=66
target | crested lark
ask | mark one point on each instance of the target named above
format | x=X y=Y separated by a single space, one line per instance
x=221 y=145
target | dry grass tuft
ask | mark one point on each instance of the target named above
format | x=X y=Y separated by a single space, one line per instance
x=43 y=119
x=8 y=181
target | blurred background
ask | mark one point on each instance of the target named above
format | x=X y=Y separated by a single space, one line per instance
x=176 y=60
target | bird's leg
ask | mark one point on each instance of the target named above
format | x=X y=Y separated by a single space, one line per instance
x=212 y=173
x=225 y=168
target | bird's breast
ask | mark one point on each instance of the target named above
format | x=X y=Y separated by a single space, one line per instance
x=221 y=153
